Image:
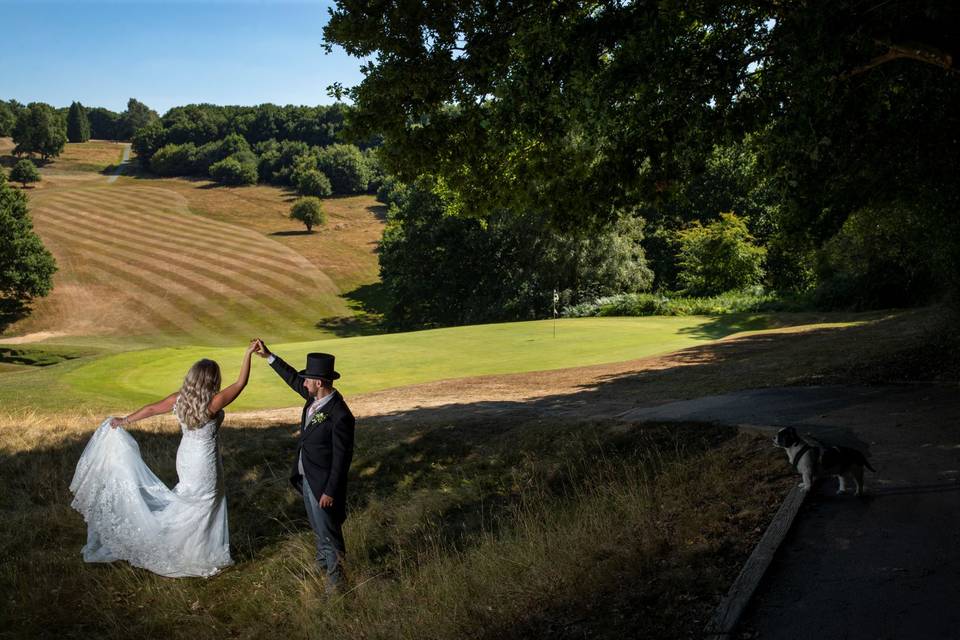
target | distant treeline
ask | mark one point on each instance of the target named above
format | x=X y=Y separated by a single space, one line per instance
x=103 y=124
x=292 y=145
x=299 y=146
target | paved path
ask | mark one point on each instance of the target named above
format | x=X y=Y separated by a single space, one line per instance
x=884 y=567
x=124 y=161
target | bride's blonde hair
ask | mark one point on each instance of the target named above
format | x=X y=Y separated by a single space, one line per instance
x=201 y=383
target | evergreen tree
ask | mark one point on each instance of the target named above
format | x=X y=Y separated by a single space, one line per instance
x=78 y=125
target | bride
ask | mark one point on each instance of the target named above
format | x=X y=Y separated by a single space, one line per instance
x=131 y=514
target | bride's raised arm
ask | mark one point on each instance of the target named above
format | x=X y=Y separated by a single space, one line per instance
x=147 y=411
x=228 y=395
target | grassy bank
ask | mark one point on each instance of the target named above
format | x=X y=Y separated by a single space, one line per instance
x=503 y=530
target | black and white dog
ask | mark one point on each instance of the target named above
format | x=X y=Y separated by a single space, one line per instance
x=815 y=461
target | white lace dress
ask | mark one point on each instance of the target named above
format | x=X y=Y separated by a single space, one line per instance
x=131 y=514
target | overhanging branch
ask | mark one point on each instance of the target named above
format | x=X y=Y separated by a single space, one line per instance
x=927 y=55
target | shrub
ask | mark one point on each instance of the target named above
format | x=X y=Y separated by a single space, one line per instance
x=234 y=170
x=174 y=159
x=24 y=172
x=719 y=257
x=309 y=211
x=314 y=183
x=754 y=299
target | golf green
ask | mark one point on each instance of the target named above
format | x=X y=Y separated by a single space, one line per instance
x=370 y=363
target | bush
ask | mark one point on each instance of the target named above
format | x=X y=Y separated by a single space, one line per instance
x=174 y=159
x=309 y=211
x=754 y=299
x=346 y=167
x=314 y=183
x=24 y=172
x=234 y=170
x=719 y=257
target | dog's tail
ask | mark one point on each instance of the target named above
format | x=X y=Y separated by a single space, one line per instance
x=863 y=459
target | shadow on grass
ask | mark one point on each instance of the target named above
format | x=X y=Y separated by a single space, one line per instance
x=369 y=302
x=297 y=232
x=12 y=310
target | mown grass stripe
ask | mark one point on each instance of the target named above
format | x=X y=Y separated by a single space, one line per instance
x=157 y=298
x=137 y=214
x=202 y=284
x=201 y=288
x=281 y=258
x=159 y=322
x=184 y=217
x=267 y=276
x=230 y=234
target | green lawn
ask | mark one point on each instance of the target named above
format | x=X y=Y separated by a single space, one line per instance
x=368 y=363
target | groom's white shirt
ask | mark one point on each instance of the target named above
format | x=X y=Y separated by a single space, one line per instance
x=318 y=404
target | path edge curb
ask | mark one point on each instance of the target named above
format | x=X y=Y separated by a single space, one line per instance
x=728 y=612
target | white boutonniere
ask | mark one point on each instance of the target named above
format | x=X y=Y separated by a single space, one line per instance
x=317 y=418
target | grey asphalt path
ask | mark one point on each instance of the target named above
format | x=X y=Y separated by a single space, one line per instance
x=885 y=567
x=124 y=161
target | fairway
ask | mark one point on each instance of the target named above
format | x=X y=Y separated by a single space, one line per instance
x=134 y=261
x=371 y=363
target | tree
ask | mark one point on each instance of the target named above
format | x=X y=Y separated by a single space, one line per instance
x=137 y=116
x=39 y=130
x=26 y=267
x=104 y=124
x=78 y=125
x=309 y=211
x=346 y=167
x=584 y=108
x=719 y=257
x=439 y=269
x=7 y=119
x=147 y=140
x=24 y=172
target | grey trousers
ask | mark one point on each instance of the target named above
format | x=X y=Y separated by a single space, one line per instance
x=329 y=532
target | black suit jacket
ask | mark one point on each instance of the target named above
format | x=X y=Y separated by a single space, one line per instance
x=326 y=446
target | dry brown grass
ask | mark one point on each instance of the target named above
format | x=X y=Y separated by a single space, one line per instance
x=94 y=155
x=467 y=530
x=343 y=248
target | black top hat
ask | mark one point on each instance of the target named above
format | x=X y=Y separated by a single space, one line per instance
x=319 y=365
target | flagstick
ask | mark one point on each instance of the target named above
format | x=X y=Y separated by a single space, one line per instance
x=555 y=297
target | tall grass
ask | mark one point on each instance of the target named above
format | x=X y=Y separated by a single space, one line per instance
x=457 y=530
x=661 y=304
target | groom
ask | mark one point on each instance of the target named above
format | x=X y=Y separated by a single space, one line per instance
x=324 y=452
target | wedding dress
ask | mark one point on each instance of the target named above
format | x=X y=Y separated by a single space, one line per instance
x=131 y=514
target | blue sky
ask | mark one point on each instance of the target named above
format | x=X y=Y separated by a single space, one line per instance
x=169 y=53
